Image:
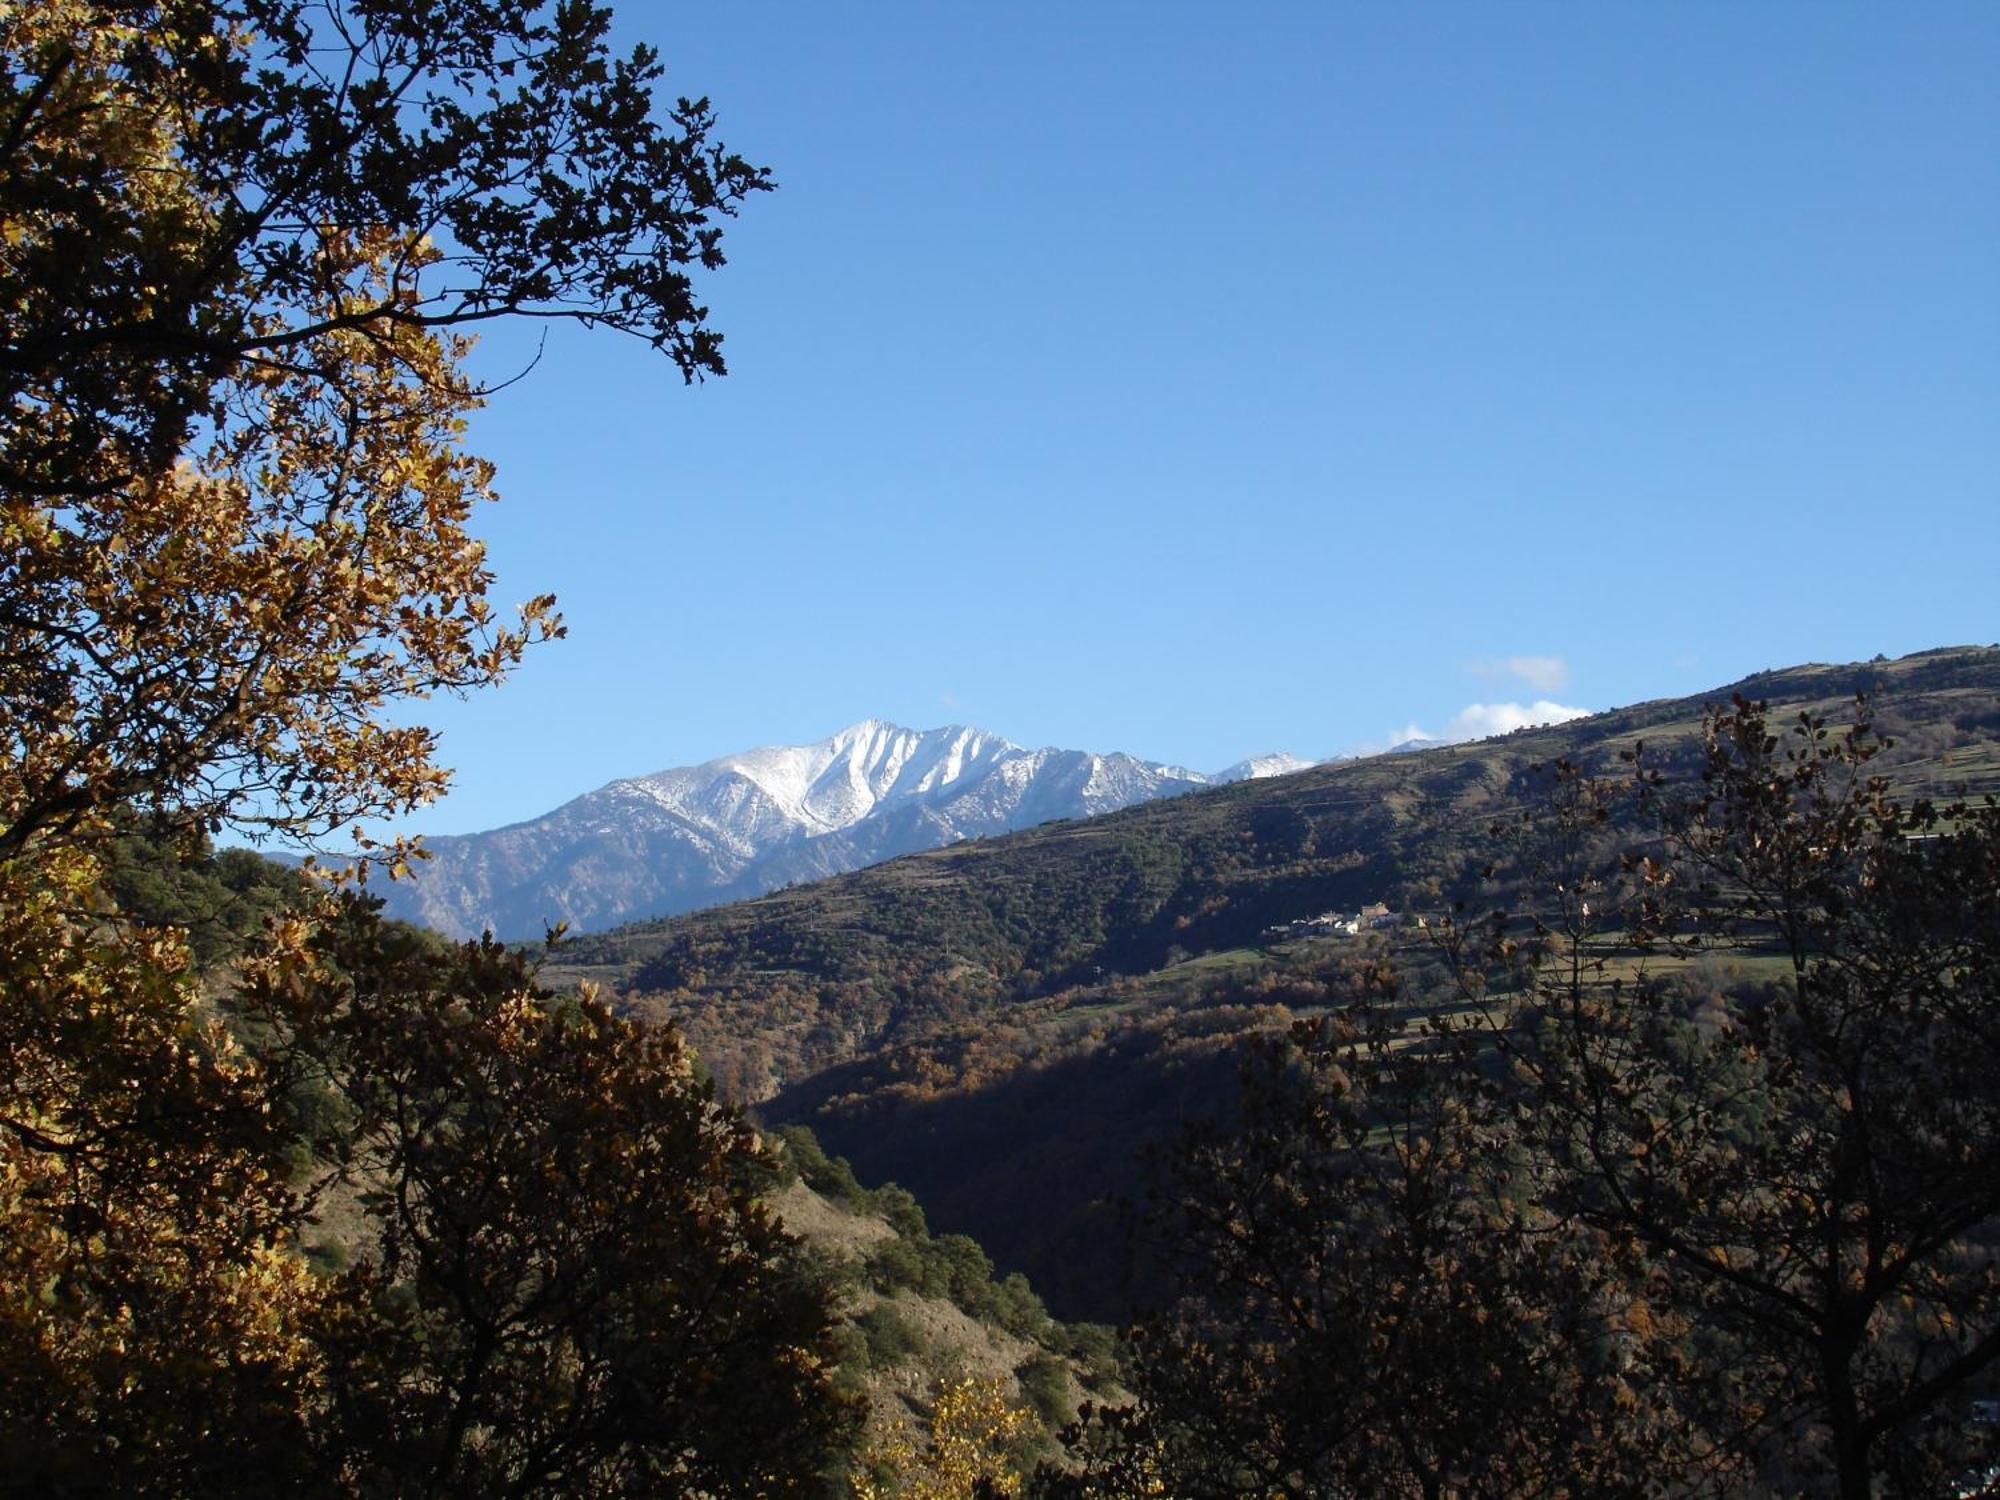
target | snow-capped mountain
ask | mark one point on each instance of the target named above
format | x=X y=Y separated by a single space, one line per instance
x=1257 y=767
x=744 y=824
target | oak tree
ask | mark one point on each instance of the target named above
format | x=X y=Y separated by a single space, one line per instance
x=1813 y=1164
x=1371 y=1298
x=149 y=1295
x=236 y=238
x=563 y=1279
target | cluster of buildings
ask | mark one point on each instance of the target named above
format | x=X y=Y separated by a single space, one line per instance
x=1339 y=923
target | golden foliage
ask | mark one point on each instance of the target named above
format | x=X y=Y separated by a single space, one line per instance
x=148 y=1300
x=559 y=1277
x=221 y=630
x=966 y=1452
x=234 y=510
x=235 y=539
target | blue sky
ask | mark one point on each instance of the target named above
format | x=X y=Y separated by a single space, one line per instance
x=1199 y=380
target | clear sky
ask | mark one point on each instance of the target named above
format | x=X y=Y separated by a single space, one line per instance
x=1200 y=380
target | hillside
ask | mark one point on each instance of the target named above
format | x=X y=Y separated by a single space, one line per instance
x=919 y=1311
x=1004 y=1024
x=915 y=1311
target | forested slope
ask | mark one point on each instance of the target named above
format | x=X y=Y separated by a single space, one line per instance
x=819 y=974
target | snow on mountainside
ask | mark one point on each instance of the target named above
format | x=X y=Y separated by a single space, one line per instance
x=743 y=824
x=1257 y=767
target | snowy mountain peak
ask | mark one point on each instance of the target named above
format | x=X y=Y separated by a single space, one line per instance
x=1257 y=767
x=743 y=824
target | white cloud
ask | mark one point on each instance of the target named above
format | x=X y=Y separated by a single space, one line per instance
x=1478 y=721
x=1546 y=674
x=1388 y=741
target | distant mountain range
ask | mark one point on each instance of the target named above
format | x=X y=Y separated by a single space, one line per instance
x=744 y=824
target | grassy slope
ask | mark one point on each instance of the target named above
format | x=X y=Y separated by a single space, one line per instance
x=1001 y=1025
x=919 y=1311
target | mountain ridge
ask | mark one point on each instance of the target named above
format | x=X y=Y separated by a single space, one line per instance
x=751 y=821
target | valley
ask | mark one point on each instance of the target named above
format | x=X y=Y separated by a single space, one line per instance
x=1004 y=1027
